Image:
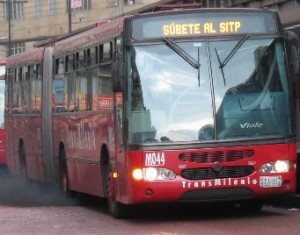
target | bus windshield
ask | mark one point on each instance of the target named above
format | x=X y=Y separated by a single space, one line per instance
x=246 y=97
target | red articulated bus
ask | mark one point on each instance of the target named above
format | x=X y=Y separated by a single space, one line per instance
x=170 y=106
x=2 y=97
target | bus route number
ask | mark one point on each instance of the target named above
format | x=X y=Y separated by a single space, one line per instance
x=155 y=159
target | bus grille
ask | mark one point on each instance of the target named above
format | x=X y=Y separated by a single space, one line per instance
x=216 y=156
x=209 y=173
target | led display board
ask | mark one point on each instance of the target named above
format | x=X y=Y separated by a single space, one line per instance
x=203 y=24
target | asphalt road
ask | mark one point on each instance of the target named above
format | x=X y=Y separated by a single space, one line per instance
x=28 y=208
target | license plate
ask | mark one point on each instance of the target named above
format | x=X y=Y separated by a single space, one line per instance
x=270 y=181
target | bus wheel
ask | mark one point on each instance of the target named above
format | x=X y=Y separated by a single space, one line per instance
x=116 y=209
x=64 y=182
x=64 y=177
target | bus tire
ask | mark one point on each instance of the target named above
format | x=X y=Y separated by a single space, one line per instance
x=116 y=209
x=64 y=182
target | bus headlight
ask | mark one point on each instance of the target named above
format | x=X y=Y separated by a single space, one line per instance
x=266 y=168
x=152 y=173
x=167 y=174
x=279 y=166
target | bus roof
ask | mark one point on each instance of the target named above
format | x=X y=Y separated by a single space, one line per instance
x=26 y=58
x=100 y=33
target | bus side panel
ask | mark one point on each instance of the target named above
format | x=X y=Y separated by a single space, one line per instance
x=10 y=157
x=83 y=137
x=60 y=136
x=29 y=131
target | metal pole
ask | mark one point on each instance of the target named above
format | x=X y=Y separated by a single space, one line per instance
x=9 y=27
x=70 y=16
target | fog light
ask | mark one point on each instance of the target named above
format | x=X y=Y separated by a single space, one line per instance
x=137 y=174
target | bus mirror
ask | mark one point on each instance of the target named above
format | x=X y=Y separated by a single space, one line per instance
x=294 y=51
x=118 y=76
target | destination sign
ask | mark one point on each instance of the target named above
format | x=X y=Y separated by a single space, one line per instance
x=203 y=24
x=174 y=29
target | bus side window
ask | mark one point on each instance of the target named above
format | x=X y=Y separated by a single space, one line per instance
x=87 y=57
x=18 y=91
x=59 y=66
x=30 y=77
x=82 y=90
x=33 y=78
x=15 y=91
x=105 y=78
x=102 y=95
x=81 y=81
x=93 y=54
x=100 y=54
x=38 y=88
x=95 y=85
x=70 y=63
x=107 y=51
x=69 y=92
x=25 y=89
x=58 y=86
x=80 y=60
x=69 y=84
x=8 y=90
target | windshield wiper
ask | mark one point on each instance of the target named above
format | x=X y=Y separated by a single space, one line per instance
x=230 y=55
x=222 y=71
x=181 y=52
x=234 y=50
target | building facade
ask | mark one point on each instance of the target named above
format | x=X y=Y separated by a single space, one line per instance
x=24 y=23
x=289 y=10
